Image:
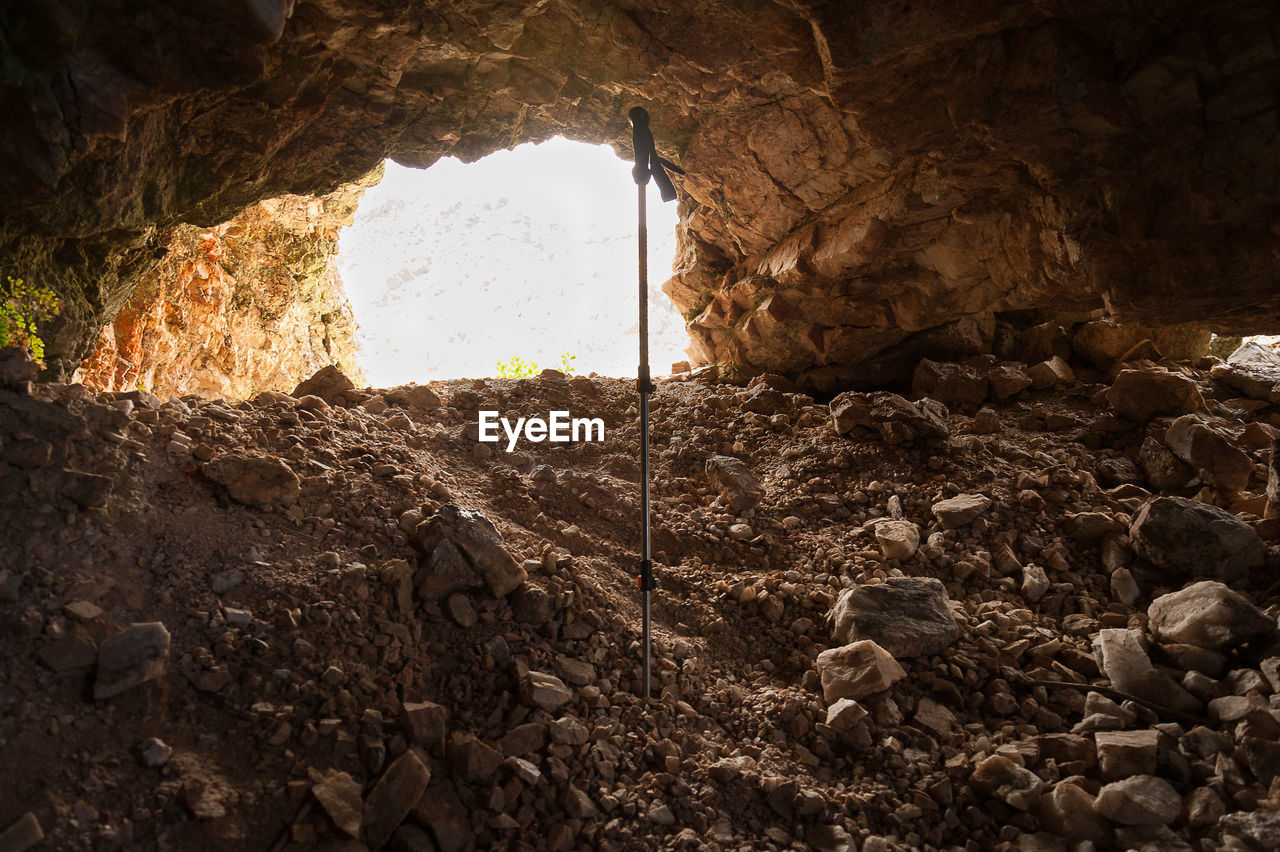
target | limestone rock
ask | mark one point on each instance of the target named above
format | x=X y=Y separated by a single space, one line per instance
x=418 y=397
x=341 y=797
x=1139 y=800
x=329 y=384
x=1261 y=828
x=1253 y=370
x=1007 y=380
x=255 y=480
x=1208 y=615
x=845 y=713
x=1214 y=458
x=1068 y=810
x=960 y=510
x=424 y=722
x=950 y=384
x=441 y=810
x=471 y=759
x=1190 y=538
x=130 y=658
x=17 y=369
x=1104 y=342
x=1050 y=373
x=391 y=799
x=1125 y=753
x=461 y=549
x=22 y=835
x=897 y=539
x=1000 y=778
x=737 y=484
x=896 y=419
x=905 y=616
x=1164 y=470
x=1035 y=582
x=545 y=690
x=857 y=670
x=1143 y=394
x=1123 y=661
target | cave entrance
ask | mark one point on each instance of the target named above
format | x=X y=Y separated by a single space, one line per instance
x=528 y=253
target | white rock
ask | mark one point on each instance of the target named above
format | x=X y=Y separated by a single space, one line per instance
x=897 y=539
x=1035 y=582
x=1208 y=615
x=960 y=510
x=857 y=670
x=1139 y=800
x=1122 y=659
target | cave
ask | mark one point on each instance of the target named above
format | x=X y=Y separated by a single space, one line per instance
x=966 y=502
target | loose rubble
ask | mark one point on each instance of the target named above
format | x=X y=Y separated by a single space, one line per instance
x=1016 y=619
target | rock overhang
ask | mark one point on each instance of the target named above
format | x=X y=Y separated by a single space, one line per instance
x=867 y=184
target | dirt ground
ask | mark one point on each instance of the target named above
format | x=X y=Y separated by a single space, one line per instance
x=299 y=703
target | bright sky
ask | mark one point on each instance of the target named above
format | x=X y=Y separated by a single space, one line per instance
x=529 y=253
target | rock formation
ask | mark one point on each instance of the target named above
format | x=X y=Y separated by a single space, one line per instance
x=868 y=182
x=252 y=304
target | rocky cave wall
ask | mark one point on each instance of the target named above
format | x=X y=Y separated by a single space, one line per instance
x=252 y=304
x=868 y=182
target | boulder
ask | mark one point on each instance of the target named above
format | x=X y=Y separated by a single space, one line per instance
x=949 y=383
x=130 y=658
x=906 y=616
x=1104 y=342
x=896 y=419
x=418 y=397
x=1163 y=469
x=960 y=510
x=329 y=384
x=1194 y=539
x=1253 y=370
x=1051 y=373
x=341 y=797
x=461 y=549
x=1007 y=379
x=1208 y=615
x=1143 y=394
x=737 y=484
x=1213 y=457
x=857 y=670
x=17 y=369
x=1120 y=656
x=255 y=480
x=1139 y=800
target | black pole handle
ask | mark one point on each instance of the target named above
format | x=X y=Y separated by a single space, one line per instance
x=647 y=161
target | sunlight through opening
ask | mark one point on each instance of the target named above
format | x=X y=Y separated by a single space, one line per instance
x=529 y=254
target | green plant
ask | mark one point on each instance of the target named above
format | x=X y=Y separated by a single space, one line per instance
x=22 y=307
x=517 y=368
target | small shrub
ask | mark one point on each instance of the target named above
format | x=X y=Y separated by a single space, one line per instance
x=23 y=307
x=517 y=368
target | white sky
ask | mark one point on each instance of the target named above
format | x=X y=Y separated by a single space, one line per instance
x=528 y=253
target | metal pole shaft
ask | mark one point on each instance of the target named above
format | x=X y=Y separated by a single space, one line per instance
x=643 y=381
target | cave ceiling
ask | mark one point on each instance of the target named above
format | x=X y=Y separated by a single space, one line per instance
x=864 y=178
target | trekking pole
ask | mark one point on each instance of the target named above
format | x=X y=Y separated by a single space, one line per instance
x=647 y=164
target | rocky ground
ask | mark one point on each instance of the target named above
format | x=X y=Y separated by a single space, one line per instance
x=1027 y=605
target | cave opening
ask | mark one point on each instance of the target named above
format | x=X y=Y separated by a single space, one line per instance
x=526 y=254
